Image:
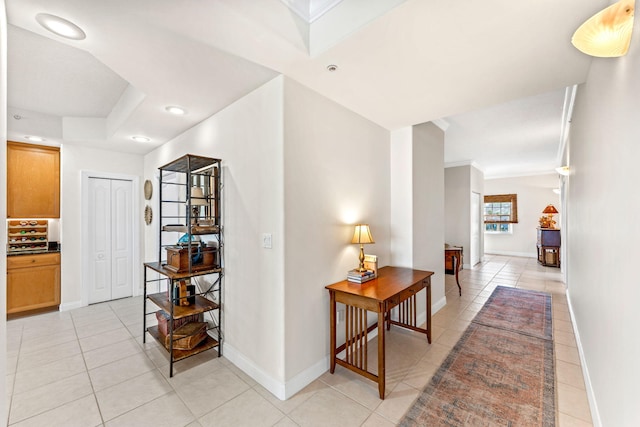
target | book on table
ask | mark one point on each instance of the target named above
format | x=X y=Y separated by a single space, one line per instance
x=362 y=280
x=360 y=276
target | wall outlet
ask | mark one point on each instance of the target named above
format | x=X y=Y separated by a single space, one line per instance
x=266 y=240
x=339 y=316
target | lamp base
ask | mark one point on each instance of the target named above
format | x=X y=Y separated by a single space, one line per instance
x=361 y=268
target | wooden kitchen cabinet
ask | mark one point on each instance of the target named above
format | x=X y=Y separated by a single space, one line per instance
x=33 y=181
x=33 y=282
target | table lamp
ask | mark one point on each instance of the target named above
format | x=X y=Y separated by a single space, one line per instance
x=197 y=200
x=362 y=236
x=550 y=210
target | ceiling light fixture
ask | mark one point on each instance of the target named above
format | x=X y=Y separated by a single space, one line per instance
x=34 y=138
x=60 y=26
x=139 y=138
x=332 y=68
x=607 y=34
x=174 y=109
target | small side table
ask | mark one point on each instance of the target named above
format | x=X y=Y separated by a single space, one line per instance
x=394 y=287
x=548 y=247
x=455 y=254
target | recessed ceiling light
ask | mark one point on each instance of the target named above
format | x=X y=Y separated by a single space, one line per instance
x=174 y=109
x=332 y=67
x=60 y=26
x=34 y=138
x=139 y=138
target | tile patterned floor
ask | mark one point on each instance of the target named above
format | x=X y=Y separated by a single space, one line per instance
x=88 y=367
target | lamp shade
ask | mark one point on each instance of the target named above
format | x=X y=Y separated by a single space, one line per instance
x=197 y=197
x=607 y=34
x=362 y=234
x=550 y=209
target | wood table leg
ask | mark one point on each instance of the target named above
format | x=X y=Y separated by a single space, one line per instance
x=332 y=316
x=428 y=292
x=457 y=262
x=381 y=332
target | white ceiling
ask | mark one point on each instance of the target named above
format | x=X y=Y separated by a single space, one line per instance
x=494 y=71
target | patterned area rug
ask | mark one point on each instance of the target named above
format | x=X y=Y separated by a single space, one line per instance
x=501 y=371
x=518 y=310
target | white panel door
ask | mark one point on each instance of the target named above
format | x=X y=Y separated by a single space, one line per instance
x=121 y=239
x=110 y=239
x=99 y=240
x=474 y=253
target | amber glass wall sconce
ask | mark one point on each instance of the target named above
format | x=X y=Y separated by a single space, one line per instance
x=607 y=34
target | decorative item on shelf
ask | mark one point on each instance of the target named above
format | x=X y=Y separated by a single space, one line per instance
x=163 y=321
x=362 y=236
x=547 y=221
x=607 y=34
x=203 y=257
x=357 y=276
x=197 y=199
x=148 y=190
x=184 y=294
x=187 y=336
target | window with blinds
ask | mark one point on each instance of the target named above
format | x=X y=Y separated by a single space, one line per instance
x=500 y=211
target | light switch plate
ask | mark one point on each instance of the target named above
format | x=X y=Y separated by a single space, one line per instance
x=266 y=240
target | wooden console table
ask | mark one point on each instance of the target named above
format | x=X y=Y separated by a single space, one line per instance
x=453 y=255
x=394 y=286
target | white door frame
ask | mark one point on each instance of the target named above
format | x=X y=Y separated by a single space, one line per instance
x=476 y=219
x=84 y=245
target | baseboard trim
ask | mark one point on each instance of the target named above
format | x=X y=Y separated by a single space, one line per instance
x=593 y=405
x=436 y=307
x=275 y=387
x=509 y=253
x=66 y=306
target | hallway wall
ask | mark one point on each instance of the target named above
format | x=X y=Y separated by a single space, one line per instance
x=602 y=235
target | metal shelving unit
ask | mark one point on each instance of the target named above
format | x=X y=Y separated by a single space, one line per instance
x=190 y=258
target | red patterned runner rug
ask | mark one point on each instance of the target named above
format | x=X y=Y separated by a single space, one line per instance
x=495 y=375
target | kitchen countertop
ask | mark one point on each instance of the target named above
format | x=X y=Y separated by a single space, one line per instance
x=44 y=251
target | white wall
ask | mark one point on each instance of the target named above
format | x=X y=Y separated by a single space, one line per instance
x=417 y=204
x=534 y=194
x=460 y=182
x=336 y=175
x=401 y=197
x=73 y=160
x=457 y=214
x=477 y=186
x=290 y=169
x=247 y=136
x=428 y=207
x=603 y=232
x=3 y=211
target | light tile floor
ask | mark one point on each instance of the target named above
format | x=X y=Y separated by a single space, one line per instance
x=88 y=367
